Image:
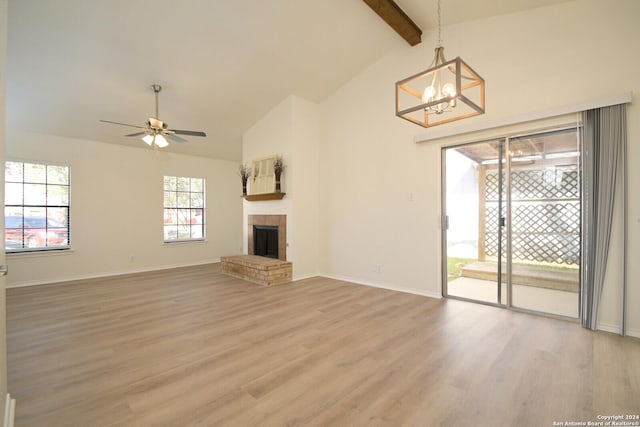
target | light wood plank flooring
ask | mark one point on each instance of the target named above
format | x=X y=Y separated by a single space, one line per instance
x=192 y=346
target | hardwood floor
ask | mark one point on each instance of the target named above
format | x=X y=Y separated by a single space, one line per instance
x=192 y=346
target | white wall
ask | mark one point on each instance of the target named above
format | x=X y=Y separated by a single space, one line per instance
x=380 y=202
x=305 y=183
x=116 y=209
x=290 y=129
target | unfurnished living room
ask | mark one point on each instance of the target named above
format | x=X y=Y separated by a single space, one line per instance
x=320 y=213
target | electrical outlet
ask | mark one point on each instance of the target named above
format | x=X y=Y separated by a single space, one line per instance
x=132 y=258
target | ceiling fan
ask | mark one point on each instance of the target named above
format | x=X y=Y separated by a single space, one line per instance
x=156 y=132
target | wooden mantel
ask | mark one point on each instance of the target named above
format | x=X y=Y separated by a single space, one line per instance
x=263 y=196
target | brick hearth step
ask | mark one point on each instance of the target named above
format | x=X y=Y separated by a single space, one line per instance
x=261 y=270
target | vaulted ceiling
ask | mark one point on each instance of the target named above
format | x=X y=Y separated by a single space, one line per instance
x=222 y=64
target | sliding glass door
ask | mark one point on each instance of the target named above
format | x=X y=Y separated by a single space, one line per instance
x=473 y=228
x=511 y=222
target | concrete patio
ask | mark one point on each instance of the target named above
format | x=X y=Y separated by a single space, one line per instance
x=552 y=301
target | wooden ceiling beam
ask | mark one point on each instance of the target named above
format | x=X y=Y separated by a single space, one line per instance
x=391 y=13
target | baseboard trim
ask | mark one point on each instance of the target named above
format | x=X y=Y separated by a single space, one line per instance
x=9 y=411
x=615 y=329
x=107 y=274
x=608 y=327
x=381 y=285
x=304 y=277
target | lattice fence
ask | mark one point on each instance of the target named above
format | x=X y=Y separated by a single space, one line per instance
x=545 y=215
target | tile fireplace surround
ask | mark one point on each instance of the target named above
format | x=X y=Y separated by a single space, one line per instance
x=274 y=220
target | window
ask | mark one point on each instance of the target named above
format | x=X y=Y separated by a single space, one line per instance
x=183 y=208
x=36 y=207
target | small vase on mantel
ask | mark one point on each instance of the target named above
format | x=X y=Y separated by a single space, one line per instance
x=278 y=167
x=245 y=172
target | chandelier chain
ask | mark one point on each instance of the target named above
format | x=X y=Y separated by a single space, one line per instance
x=439 y=25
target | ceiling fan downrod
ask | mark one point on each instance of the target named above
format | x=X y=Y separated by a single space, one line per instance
x=156 y=89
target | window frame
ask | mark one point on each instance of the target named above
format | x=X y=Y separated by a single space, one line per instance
x=49 y=234
x=196 y=209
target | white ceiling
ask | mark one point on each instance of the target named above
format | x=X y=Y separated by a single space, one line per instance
x=223 y=64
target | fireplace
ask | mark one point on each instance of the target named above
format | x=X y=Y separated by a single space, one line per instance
x=265 y=240
x=268 y=224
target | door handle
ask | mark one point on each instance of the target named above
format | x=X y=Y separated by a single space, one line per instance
x=502 y=221
x=3 y=270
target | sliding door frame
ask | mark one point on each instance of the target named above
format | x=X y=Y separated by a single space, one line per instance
x=444 y=223
x=504 y=166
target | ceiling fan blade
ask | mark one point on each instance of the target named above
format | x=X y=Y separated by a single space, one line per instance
x=122 y=124
x=137 y=134
x=188 y=132
x=174 y=138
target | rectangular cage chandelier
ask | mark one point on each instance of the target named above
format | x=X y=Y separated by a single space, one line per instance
x=449 y=91
x=445 y=92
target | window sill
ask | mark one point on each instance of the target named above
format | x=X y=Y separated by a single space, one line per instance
x=33 y=254
x=168 y=243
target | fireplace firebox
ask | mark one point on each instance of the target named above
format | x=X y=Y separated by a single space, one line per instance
x=265 y=241
x=279 y=221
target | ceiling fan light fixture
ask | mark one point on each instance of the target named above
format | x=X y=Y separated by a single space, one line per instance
x=157 y=139
x=161 y=141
